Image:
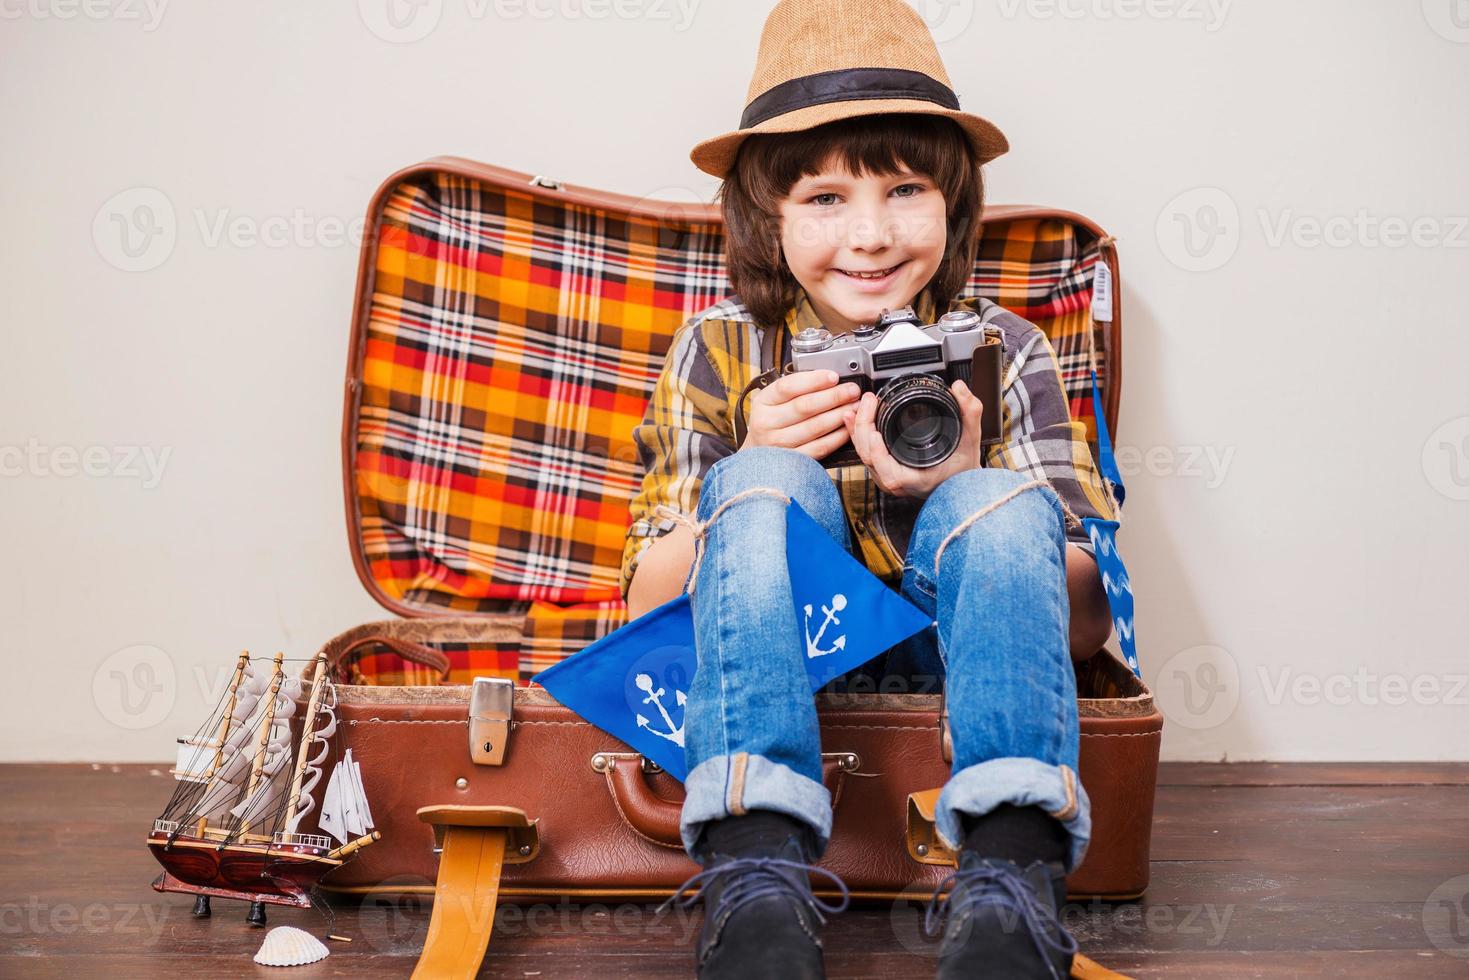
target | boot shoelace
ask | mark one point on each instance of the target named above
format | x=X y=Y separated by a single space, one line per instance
x=758 y=877
x=1046 y=931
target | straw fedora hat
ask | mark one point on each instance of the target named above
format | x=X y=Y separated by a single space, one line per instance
x=824 y=60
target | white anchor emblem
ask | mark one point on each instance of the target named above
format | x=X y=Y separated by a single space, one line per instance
x=813 y=648
x=674 y=734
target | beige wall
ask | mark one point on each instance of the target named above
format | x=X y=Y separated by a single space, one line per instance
x=1295 y=420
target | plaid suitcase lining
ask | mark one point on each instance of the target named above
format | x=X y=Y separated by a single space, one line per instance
x=511 y=347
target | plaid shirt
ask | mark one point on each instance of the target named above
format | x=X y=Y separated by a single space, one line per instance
x=689 y=424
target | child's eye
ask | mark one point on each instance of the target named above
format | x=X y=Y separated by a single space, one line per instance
x=819 y=202
x=915 y=188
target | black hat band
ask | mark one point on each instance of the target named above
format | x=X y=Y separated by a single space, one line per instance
x=846 y=85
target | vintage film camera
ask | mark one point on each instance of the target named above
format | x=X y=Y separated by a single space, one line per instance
x=910 y=367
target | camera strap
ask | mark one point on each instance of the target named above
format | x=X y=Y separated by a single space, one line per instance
x=741 y=427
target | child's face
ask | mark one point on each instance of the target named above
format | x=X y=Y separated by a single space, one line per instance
x=834 y=224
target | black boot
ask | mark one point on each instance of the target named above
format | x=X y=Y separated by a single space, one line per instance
x=760 y=917
x=1003 y=902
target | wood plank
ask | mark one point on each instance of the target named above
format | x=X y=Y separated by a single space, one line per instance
x=1259 y=870
x=1313 y=773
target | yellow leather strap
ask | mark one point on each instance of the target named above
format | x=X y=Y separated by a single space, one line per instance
x=464 y=903
x=1085 y=969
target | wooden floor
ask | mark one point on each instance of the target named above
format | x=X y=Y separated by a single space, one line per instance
x=1258 y=871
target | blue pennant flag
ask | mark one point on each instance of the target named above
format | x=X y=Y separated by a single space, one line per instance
x=846 y=614
x=633 y=683
x=1104 y=539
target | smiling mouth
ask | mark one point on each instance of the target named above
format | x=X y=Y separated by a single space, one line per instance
x=871 y=276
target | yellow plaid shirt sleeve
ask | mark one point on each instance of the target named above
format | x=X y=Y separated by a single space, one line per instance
x=685 y=431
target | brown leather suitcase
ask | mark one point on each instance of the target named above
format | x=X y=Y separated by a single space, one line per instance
x=506 y=334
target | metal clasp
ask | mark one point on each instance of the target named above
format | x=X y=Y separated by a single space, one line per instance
x=491 y=706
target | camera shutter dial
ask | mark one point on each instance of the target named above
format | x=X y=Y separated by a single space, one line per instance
x=812 y=339
x=958 y=321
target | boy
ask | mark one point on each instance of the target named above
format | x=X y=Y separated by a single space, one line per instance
x=852 y=187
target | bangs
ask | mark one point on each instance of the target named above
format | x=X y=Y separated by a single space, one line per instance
x=768 y=165
x=882 y=145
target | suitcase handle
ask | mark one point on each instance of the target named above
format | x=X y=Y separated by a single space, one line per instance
x=403 y=636
x=656 y=818
x=344 y=656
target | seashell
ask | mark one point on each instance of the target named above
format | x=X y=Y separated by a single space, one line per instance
x=289 y=946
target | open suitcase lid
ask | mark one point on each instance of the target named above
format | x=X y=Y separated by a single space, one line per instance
x=506 y=336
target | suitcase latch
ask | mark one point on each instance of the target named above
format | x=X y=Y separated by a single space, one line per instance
x=491 y=704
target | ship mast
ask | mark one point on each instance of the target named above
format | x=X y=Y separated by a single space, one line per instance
x=257 y=768
x=318 y=679
x=224 y=732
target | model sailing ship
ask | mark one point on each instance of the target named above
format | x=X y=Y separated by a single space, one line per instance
x=234 y=826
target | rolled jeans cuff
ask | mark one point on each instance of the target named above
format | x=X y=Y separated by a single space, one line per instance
x=978 y=789
x=730 y=785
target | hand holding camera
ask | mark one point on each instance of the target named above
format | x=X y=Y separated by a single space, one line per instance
x=801 y=411
x=930 y=397
x=898 y=480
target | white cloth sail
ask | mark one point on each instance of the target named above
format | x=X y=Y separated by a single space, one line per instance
x=356 y=814
x=306 y=802
x=344 y=810
x=331 y=807
x=193 y=763
x=258 y=804
x=256 y=682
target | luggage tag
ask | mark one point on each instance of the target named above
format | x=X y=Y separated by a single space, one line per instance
x=1103 y=534
x=633 y=683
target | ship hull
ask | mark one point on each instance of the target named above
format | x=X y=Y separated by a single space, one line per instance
x=280 y=875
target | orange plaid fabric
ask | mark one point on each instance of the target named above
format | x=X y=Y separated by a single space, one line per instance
x=511 y=347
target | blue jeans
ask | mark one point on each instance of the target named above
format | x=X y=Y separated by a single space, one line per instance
x=1000 y=644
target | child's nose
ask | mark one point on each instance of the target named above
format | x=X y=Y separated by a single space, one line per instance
x=870 y=230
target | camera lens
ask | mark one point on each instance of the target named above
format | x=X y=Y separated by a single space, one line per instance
x=919 y=420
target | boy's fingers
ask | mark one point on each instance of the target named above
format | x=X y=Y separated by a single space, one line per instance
x=807 y=406
x=887 y=470
x=854 y=431
x=826 y=445
x=863 y=423
x=882 y=460
x=789 y=386
x=972 y=407
x=819 y=401
x=814 y=427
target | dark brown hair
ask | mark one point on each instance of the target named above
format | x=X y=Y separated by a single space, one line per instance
x=769 y=164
